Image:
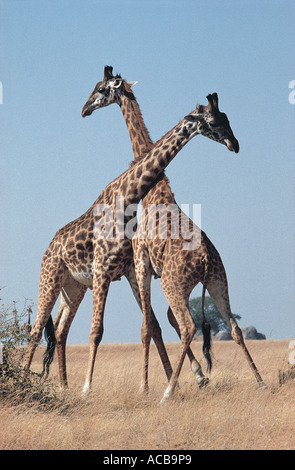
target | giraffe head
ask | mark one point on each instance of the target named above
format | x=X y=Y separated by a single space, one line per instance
x=106 y=92
x=212 y=123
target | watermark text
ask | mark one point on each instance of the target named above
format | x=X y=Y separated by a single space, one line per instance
x=157 y=221
x=292 y=93
x=292 y=353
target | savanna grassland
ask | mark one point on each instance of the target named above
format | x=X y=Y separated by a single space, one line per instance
x=230 y=413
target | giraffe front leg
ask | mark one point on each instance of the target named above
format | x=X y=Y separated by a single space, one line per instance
x=178 y=301
x=156 y=330
x=195 y=366
x=187 y=333
x=101 y=284
x=143 y=276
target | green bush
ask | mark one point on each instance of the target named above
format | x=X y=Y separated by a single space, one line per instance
x=212 y=315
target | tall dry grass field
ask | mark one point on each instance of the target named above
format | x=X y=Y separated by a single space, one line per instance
x=231 y=413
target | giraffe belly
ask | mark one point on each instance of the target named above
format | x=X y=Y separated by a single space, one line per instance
x=85 y=278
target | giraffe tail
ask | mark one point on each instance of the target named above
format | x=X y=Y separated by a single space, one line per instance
x=51 y=343
x=206 y=328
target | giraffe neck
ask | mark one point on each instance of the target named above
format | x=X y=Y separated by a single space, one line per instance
x=141 y=141
x=135 y=182
x=139 y=135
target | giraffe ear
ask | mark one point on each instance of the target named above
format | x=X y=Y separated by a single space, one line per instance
x=131 y=84
x=117 y=82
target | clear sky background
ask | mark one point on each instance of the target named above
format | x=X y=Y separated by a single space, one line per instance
x=54 y=163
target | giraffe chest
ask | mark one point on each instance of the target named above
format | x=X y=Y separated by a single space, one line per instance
x=109 y=256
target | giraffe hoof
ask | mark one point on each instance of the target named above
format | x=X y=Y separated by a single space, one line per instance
x=203 y=382
x=168 y=392
x=143 y=390
x=163 y=401
x=86 y=389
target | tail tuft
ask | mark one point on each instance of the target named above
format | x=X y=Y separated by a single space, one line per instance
x=206 y=329
x=51 y=343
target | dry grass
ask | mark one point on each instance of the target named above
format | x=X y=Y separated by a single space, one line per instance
x=231 y=413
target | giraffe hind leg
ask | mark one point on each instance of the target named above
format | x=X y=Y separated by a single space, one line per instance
x=72 y=294
x=218 y=291
x=51 y=278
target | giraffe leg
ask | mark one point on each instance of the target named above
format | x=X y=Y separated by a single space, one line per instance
x=156 y=330
x=196 y=368
x=187 y=331
x=218 y=291
x=178 y=301
x=72 y=294
x=143 y=275
x=51 y=278
x=101 y=284
x=158 y=339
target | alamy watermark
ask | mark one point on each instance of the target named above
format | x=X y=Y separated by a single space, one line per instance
x=158 y=221
x=292 y=343
x=292 y=353
x=292 y=93
x=1 y=353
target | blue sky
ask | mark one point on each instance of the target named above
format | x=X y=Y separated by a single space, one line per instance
x=54 y=164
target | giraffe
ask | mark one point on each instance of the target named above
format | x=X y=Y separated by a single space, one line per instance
x=141 y=143
x=70 y=304
x=81 y=249
x=113 y=89
x=181 y=270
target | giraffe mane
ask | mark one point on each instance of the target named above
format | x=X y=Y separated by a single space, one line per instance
x=130 y=95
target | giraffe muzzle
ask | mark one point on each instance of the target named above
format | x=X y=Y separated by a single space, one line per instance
x=87 y=110
x=232 y=145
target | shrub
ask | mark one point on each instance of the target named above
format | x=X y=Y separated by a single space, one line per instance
x=212 y=315
x=17 y=385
